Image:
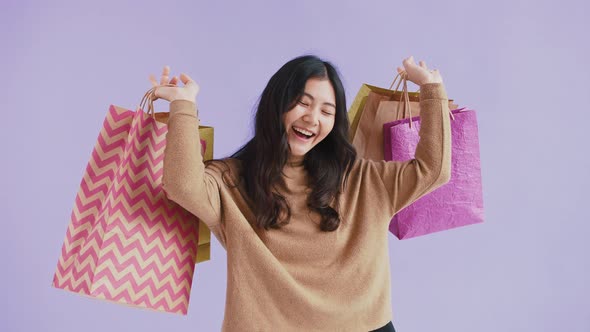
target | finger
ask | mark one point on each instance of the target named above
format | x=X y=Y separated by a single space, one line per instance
x=400 y=70
x=174 y=80
x=165 y=74
x=407 y=62
x=185 y=78
x=423 y=64
x=153 y=80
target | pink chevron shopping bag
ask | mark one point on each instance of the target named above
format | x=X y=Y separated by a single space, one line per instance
x=457 y=203
x=126 y=242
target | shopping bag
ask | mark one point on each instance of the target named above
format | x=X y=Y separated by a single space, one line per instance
x=372 y=107
x=457 y=203
x=369 y=97
x=126 y=242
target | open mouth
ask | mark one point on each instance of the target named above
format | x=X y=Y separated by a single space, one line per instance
x=302 y=133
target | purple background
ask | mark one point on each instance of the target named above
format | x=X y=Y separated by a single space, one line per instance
x=523 y=65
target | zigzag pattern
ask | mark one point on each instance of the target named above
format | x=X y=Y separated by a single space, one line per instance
x=126 y=242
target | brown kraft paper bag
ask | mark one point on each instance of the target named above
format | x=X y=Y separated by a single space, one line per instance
x=379 y=107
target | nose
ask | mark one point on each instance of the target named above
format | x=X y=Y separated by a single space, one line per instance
x=311 y=116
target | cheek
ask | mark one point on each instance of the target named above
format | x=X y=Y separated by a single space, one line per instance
x=327 y=127
x=290 y=116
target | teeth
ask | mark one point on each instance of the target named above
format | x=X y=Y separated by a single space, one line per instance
x=303 y=131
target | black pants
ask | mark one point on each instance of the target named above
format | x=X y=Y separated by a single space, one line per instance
x=386 y=328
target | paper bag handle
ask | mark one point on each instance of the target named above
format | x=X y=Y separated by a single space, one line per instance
x=403 y=79
x=148 y=98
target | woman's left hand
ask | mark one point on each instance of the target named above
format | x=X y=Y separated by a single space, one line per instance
x=419 y=74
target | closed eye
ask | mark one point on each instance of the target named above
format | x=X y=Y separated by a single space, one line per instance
x=304 y=104
x=327 y=113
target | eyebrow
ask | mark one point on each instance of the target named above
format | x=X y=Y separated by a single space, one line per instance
x=312 y=98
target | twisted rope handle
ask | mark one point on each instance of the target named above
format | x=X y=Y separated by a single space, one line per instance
x=403 y=80
x=405 y=98
x=148 y=98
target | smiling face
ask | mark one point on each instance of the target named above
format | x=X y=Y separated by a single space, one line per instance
x=312 y=117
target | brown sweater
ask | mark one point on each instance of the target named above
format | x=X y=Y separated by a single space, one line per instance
x=299 y=278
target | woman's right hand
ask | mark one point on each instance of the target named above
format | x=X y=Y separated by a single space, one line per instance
x=173 y=92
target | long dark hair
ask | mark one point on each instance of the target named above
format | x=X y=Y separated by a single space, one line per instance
x=264 y=156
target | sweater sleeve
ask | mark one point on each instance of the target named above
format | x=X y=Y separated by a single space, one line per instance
x=407 y=181
x=186 y=181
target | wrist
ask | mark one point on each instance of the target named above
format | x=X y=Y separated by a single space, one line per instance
x=183 y=106
x=431 y=81
x=192 y=100
x=433 y=91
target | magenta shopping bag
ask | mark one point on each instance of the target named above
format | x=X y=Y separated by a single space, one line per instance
x=457 y=203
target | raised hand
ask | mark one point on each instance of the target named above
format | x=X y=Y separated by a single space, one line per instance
x=419 y=74
x=169 y=89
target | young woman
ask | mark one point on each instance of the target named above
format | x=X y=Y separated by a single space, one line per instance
x=303 y=220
